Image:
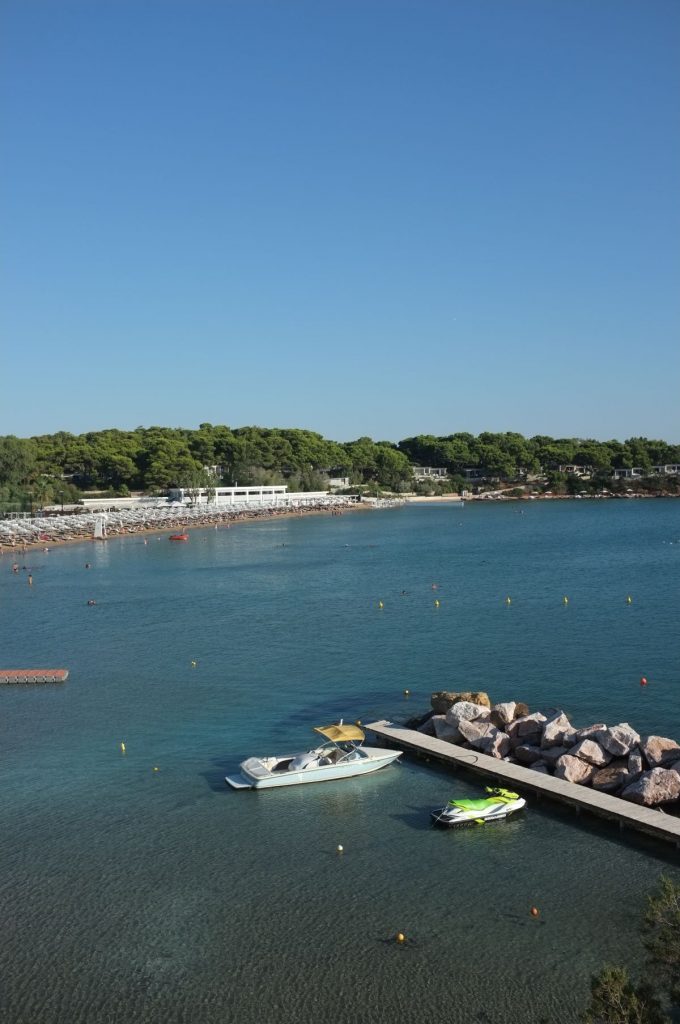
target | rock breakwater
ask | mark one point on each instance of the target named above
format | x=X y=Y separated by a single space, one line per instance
x=612 y=759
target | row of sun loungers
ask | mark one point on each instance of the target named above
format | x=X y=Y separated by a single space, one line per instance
x=81 y=526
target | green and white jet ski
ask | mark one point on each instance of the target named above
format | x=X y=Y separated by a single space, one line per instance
x=499 y=804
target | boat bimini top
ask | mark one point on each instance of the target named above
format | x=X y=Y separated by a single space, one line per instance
x=341 y=733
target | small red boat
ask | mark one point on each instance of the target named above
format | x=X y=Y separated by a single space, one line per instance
x=179 y=536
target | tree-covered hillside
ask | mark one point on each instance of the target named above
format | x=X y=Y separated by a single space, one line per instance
x=58 y=467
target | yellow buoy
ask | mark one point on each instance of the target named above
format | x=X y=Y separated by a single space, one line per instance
x=407 y=693
x=122 y=748
x=339 y=848
x=194 y=664
x=436 y=604
x=400 y=937
x=358 y=721
x=155 y=768
x=629 y=600
x=508 y=600
x=380 y=604
x=565 y=600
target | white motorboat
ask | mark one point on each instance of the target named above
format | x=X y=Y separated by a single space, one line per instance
x=342 y=756
x=499 y=804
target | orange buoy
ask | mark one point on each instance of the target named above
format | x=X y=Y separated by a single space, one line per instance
x=400 y=937
x=535 y=911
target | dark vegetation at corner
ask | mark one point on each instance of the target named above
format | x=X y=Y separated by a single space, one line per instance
x=616 y=998
x=59 y=467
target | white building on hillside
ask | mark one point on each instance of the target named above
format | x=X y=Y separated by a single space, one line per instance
x=269 y=494
x=429 y=473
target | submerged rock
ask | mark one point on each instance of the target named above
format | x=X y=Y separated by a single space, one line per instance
x=442 y=700
x=658 y=786
x=592 y=752
x=658 y=751
x=573 y=769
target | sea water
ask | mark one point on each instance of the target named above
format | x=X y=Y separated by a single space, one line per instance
x=134 y=894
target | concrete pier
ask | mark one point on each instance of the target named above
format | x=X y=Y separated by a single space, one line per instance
x=33 y=675
x=628 y=815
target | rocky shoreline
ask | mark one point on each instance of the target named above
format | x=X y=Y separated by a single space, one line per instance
x=611 y=759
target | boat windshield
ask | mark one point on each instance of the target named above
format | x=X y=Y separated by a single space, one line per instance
x=302 y=761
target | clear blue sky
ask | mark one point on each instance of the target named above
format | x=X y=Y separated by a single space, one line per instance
x=381 y=217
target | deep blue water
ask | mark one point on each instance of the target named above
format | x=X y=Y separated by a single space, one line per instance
x=129 y=894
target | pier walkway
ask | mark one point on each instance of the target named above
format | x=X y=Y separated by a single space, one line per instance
x=628 y=815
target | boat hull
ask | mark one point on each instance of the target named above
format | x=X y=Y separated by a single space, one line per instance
x=373 y=762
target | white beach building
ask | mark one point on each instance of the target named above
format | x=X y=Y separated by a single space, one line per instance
x=269 y=494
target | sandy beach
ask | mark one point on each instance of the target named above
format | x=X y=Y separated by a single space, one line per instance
x=20 y=535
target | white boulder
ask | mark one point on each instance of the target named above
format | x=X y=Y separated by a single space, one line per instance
x=465 y=710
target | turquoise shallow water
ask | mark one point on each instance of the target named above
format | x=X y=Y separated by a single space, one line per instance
x=166 y=897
